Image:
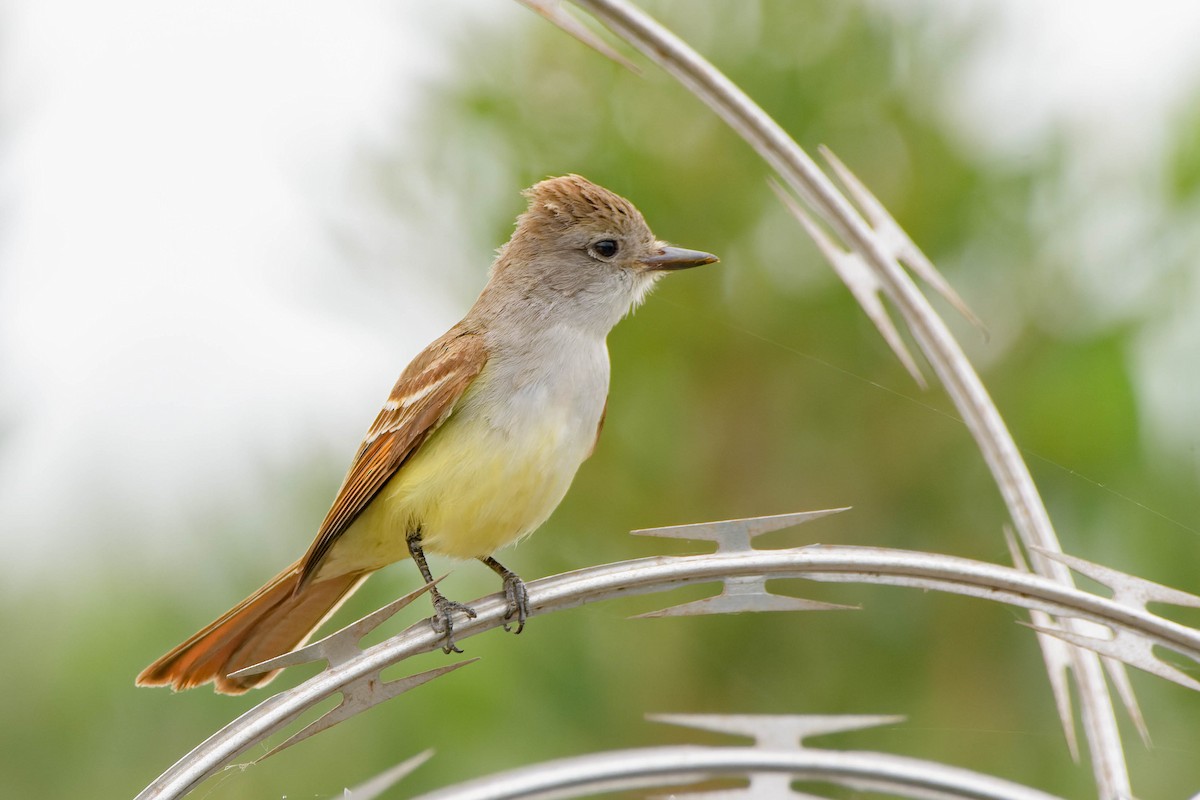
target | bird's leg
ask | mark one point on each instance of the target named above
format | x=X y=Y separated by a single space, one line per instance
x=514 y=593
x=443 y=608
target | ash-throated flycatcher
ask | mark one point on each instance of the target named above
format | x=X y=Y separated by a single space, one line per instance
x=480 y=438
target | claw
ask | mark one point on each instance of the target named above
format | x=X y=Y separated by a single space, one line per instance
x=443 y=622
x=518 y=601
x=514 y=592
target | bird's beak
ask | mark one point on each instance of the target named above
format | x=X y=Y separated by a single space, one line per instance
x=671 y=258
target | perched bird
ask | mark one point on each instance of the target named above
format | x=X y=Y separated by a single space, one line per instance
x=478 y=441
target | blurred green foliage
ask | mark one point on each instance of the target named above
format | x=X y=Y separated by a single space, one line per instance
x=752 y=387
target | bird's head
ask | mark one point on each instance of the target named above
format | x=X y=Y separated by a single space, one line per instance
x=584 y=248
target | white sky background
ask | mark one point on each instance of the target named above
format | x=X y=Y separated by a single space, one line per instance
x=175 y=179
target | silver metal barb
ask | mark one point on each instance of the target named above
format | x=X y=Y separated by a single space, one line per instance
x=374 y=787
x=777 y=757
x=740 y=595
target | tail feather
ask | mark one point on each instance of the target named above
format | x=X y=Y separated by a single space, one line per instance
x=274 y=620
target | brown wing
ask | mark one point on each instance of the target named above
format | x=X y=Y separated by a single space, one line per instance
x=422 y=399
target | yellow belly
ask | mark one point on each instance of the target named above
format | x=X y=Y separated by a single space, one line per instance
x=470 y=490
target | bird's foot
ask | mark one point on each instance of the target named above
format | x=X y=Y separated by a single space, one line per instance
x=443 y=622
x=514 y=592
x=518 y=601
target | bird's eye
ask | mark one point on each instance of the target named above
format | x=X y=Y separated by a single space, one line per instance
x=605 y=248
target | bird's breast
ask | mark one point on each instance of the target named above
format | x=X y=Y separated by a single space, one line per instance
x=499 y=465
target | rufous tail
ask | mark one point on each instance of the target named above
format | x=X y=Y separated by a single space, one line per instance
x=274 y=620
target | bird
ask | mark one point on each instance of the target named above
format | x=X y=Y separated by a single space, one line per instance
x=479 y=439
